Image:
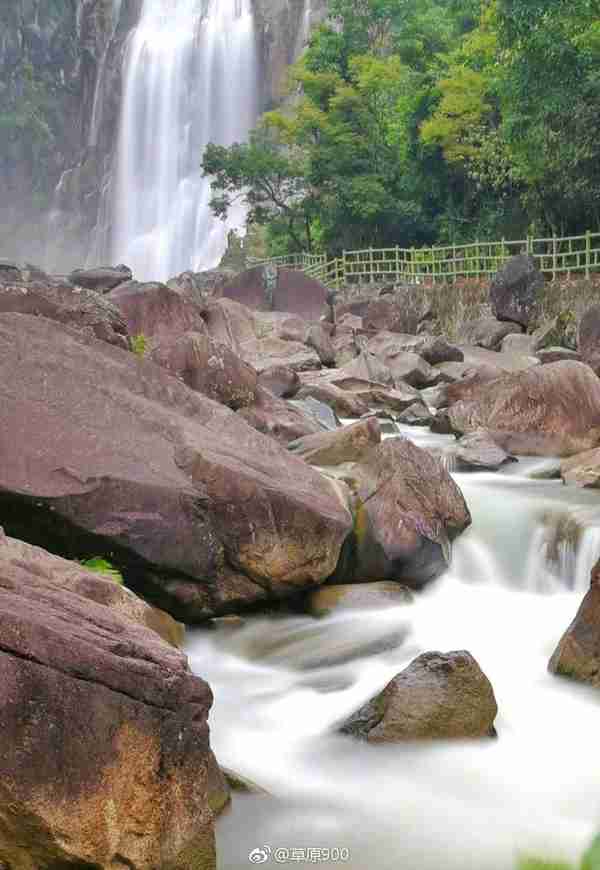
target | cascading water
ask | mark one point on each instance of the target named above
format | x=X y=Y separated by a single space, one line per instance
x=281 y=687
x=191 y=77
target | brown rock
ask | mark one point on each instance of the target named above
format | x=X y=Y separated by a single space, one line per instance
x=104 y=736
x=272 y=289
x=280 y=380
x=547 y=410
x=582 y=469
x=348 y=444
x=343 y=402
x=230 y=323
x=357 y=596
x=557 y=354
x=408 y=511
x=478 y=450
x=319 y=339
x=367 y=367
x=589 y=338
x=439 y=696
x=515 y=291
x=155 y=311
x=392 y=314
x=578 y=652
x=83 y=310
x=417 y=414
x=486 y=332
x=210 y=368
x=278 y=419
x=106 y=453
x=264 y=353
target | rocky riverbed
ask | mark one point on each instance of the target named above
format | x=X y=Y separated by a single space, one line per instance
x=381 y=536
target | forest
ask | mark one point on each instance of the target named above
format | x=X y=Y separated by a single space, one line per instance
x=418 y=122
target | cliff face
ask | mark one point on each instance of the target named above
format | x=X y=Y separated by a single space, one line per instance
x=61 y=64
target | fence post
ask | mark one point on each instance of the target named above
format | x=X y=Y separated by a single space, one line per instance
x=554 y=257
x=477 y=269
x=370 y=265
x=344 y=264
x=397 y=263
x=413 y=265
x=588 y=250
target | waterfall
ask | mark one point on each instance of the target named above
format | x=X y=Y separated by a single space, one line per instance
x=190 y=78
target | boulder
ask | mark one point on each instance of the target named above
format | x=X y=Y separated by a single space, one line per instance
x=264 y=353
x=281 y=381
x=561 y=331
x=486 y=332
x=18 y=560
x=408 y=511
x=439 y=696
x=199 y=287
x=268 y=288
x=104 y=735
x=582 y=469
x=278 y=419
x=433 y=349
x=155 y=311
x=230 y=323
x=556 y=354
x=547 y=410
x=417 y=414
x=589 y=338
x=478 y=450
x=320 y=341
x=348 y=444
x=392 y=314
x=515 y=291
x=519 y=342
x=342 y=402
x=345 y=347
x=209 y=368
x=322 y=414
x=577 y=655
x=367 y=367
x=107 y=453
x=102 y=279
x=404 y=366
x=56 y=300
x=357 y=596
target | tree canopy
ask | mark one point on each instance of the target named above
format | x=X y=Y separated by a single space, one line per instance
x=415 y=121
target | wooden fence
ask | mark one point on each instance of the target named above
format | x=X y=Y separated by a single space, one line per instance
x=554 y=257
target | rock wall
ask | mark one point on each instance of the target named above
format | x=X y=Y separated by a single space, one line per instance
x=60 y=97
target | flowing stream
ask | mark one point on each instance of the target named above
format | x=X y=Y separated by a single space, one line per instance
x=282 y=685
x=191 y=77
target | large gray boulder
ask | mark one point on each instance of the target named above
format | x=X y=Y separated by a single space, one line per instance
x=515 y=291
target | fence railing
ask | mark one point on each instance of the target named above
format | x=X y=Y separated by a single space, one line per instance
x=554 y=256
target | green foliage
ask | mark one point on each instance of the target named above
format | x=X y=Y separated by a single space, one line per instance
x=590 y=861
x=139 y=345
x=423 y=121
x=101 y=566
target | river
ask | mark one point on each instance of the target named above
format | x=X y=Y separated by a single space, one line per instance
x=283 y=684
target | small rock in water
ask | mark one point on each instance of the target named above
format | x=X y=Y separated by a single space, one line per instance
x=478 y=450
x=357 y=596
x=437 y=697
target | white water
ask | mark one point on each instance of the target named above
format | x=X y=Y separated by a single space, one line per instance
x=190 y=79
x=281 y=687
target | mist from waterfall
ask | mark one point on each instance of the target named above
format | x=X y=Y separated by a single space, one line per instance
x=191 y=77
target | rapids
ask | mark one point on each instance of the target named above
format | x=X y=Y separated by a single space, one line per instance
x=190 y=78
x=281 y=686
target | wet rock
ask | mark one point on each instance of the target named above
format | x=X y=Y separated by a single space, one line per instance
x=583 y=469
x=209 y=368
x=486 y=332
x=589 y=338
x=515 y=291
x=408 y=511
x=416 y=415
x=219 y=793
x=83 y=310
x=349 y=444
x=281 y=381
x=439 y=696
x=547 y=410
x=98 y=712
x=158 y=313
x=342 y=402
x=478 y=450
x=279 y=419
x=102 y=279
x=577 y=655
x=357 y=596
x=322 y=414
x=107 y=453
